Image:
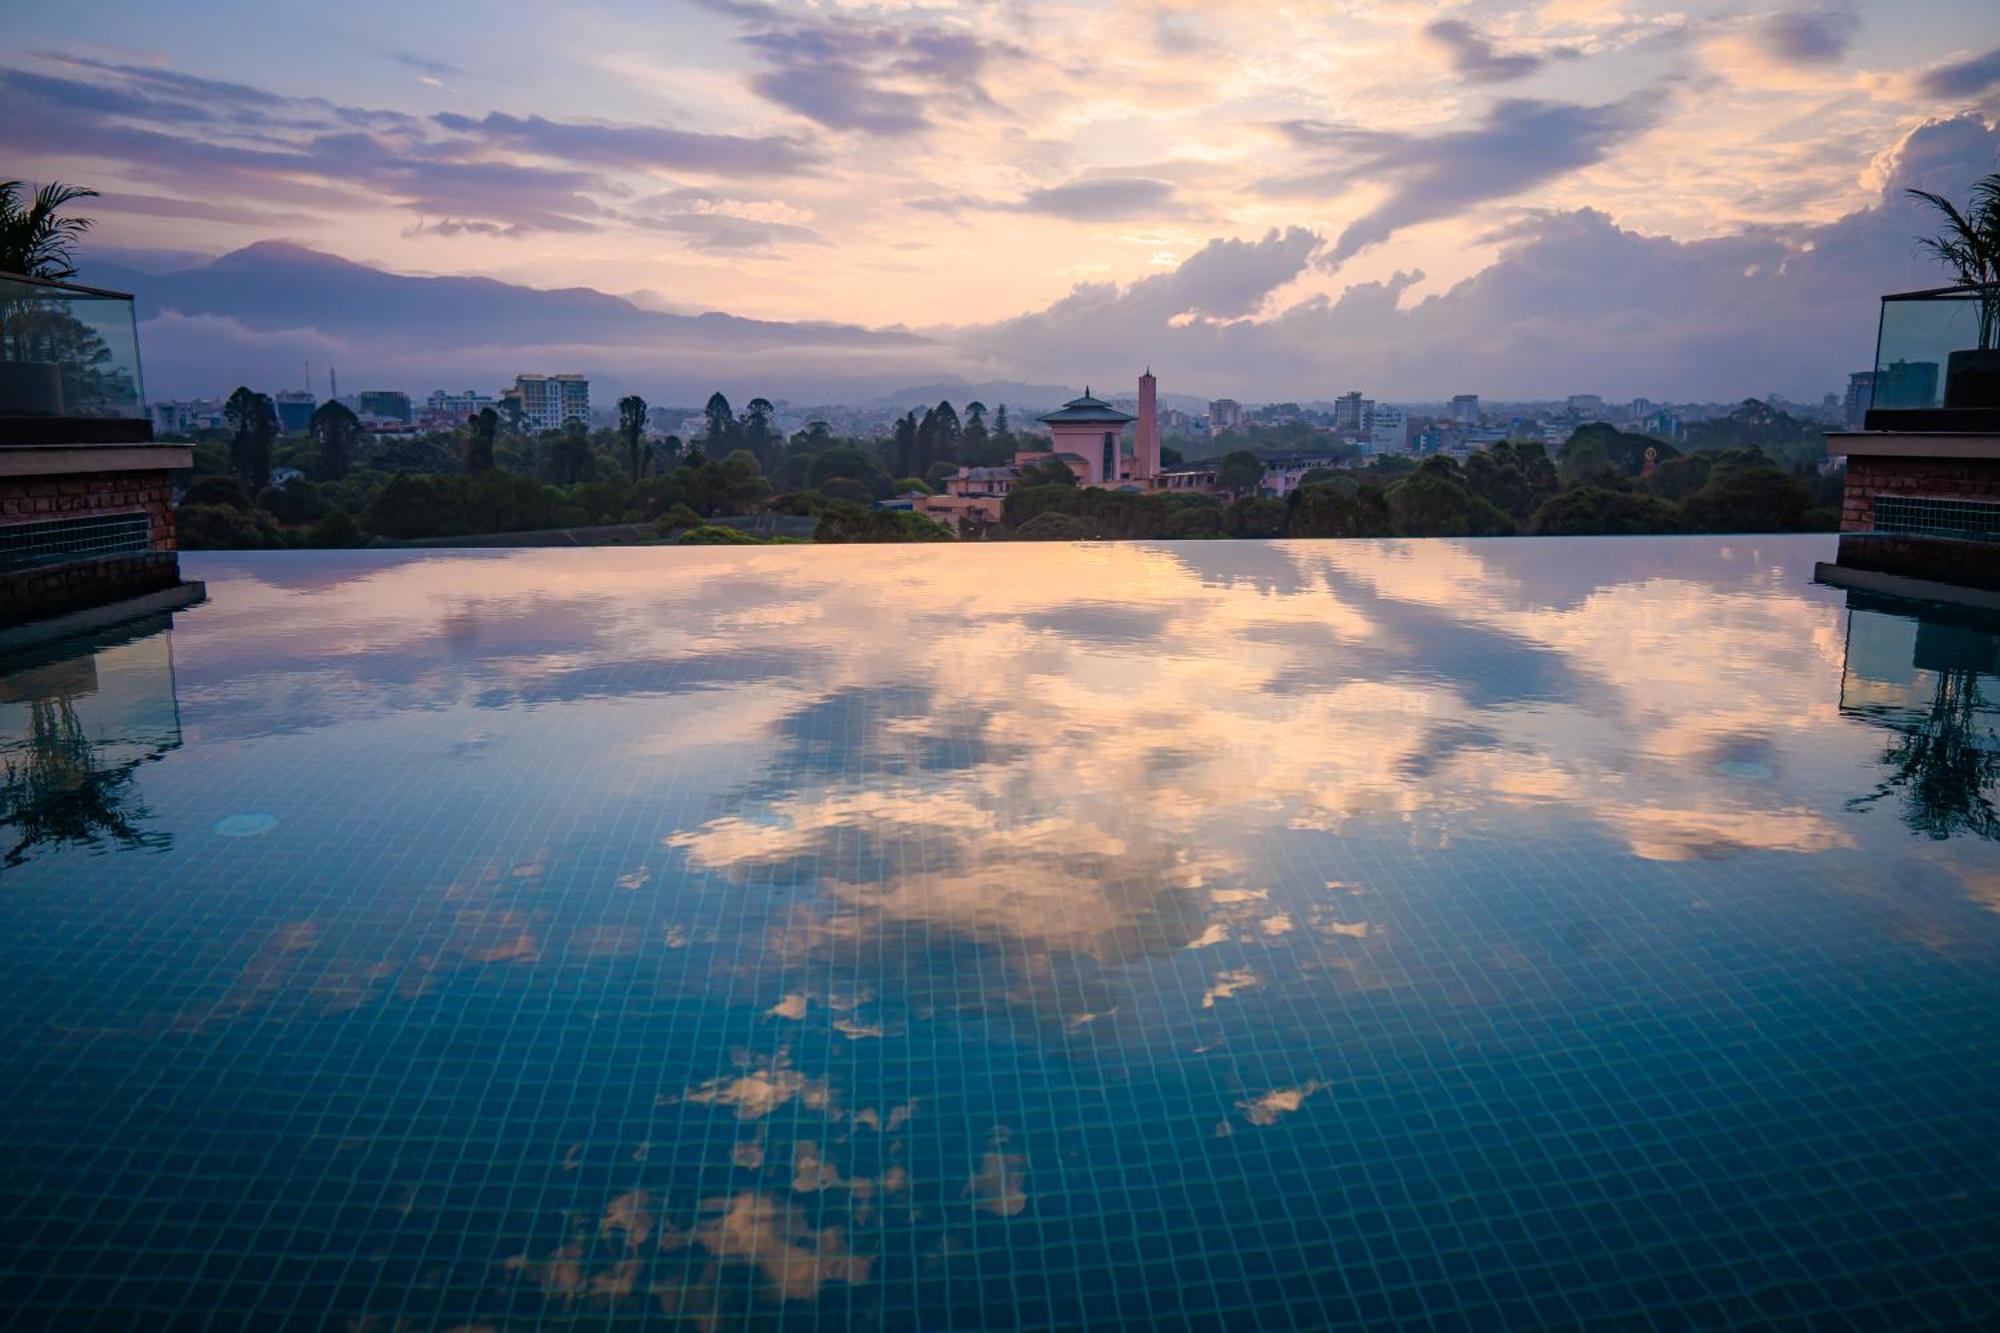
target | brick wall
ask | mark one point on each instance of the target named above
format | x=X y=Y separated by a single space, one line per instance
x=45 y=590
x=1869 y=476
x=92 y=492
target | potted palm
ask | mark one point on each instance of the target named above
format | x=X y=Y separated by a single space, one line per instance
x=1969 y=245
x=35 y=242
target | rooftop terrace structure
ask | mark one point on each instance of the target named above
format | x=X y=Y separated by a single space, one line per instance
x=1922 y=498
x=86 y=512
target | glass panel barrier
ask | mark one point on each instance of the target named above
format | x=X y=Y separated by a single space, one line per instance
x=67 y=352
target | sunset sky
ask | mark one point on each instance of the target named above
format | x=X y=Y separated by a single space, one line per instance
x=1245 y=194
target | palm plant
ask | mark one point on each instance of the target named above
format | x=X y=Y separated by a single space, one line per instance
x=35 y=239
x=1969 y=245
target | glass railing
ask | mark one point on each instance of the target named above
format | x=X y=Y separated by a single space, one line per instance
x=1937 y=354
x=67 y=353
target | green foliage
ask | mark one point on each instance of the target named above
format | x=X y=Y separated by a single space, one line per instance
x=1240 y=473
x=1747 y=499
x=1586 y=510
x=1046 y=472
x=1255 y=516
x=1055 y=526
x=917 y=484
x=210 y=527
x=35 y=238
x=853 y=464
x=1969 y=247
x=458 y=506
x=416 y=453
x=1599 y=453
x=678 y=518
x=1101 y=513
x=717 y=534
x=336 y=529
x=632 y=431
x=253 y=424
x=570 y=456
x=1780 y=437
x=1432 y=503
x=1515 y=478
x=218 y=490
x=337 y=432
x=840 y=521
x=1345 y=509
x=482 y=430
x=295 y=503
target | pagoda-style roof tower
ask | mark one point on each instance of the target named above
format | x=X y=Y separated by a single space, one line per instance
x=1086 y=411
x=1089 y=428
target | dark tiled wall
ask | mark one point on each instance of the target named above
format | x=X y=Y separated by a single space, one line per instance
x=1867 y=477
x=45 y=590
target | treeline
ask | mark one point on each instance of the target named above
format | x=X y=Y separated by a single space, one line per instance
x=493 y=475
x=1602 y=485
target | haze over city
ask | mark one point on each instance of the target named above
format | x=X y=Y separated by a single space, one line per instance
x=1275 y=202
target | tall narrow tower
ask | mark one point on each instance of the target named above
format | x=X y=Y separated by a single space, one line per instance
x=1146 y=443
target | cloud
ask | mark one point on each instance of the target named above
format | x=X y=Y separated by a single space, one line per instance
x=882 y=76
x=1808 y=36
x=423 y=64
x=1219 y=284
x=1962 y=78
x=1574 y=301
x=634 y=147
x=1521 y=143
x=225 y=145
x=1092 y=199
x=1474 y=57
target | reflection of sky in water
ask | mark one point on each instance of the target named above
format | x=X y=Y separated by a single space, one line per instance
x=1506 y=932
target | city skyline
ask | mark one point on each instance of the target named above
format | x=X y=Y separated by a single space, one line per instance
x=1621 y=198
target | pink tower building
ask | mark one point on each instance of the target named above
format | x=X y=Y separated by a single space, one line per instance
x=1087 y=429
x=1146 y=443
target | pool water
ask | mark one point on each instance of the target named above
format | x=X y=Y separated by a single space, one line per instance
x=1509 y=933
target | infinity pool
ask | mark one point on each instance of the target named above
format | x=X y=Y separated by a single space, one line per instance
x=1509 y=933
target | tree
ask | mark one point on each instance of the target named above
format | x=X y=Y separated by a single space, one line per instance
x=903 y=445
x=1747 y=499
x=1513 y=477
x=1590 y=510
x=721 y=423
x=1599 y=452
x=1969 y=246
x=743 y=482
x=570 y=460
x=483 y=428
x=35 y=240
x=253 y=424
x=758 y=435
x=632 y=430
x=336 y=431
x=1255 y=516
x=1430 y=503
x=1045 y=472
x=1241 y=472
x=1339 y=511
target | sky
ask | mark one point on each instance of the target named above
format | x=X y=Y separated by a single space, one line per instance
x=1271 y=200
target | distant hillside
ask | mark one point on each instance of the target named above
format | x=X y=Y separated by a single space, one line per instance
x=274 y=285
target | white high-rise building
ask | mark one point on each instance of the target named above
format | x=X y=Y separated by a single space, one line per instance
x=547 y=401
x=1388 y=430
x=1465 y=408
